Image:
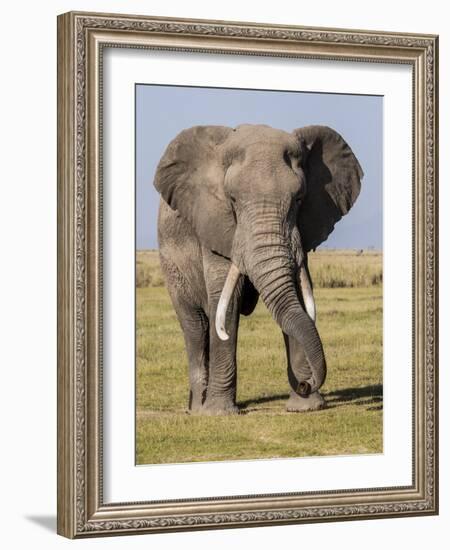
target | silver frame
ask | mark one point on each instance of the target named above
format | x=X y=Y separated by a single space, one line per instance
x=81 y=39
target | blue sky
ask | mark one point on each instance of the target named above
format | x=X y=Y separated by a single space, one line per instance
x=163 y=111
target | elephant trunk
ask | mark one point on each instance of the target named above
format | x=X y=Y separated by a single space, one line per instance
x=277 y=288
x=272 y=271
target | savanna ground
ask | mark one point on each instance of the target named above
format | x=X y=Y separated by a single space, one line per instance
x=348 y=293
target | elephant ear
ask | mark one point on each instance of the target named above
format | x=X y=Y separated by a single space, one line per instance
x=190 y=177
x=333 y=182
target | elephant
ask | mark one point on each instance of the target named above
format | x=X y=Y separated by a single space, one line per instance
x=240 y=209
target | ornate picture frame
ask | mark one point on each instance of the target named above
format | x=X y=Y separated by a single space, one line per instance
x=82 y=39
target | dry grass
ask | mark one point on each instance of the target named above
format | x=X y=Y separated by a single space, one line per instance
x=329 y=269
x=148 y=270
x=346 y=268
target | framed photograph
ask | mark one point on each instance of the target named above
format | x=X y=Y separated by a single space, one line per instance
x=247 y=274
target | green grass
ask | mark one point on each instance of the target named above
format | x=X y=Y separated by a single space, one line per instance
x=350 y=324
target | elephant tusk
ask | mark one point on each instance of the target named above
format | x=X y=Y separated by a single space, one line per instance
x=307 y=292
x=224 y=300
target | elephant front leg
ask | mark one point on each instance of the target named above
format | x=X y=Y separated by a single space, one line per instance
x=221 y=391
x=298 y=373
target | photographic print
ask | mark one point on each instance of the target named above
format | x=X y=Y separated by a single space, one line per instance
x=259 y=274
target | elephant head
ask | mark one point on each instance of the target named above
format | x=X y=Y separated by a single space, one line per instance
x=263 y=198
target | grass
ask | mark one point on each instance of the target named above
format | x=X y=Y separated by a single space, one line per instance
x=329 y=269
x=350 y=324
x=148 y=271
x=346 y=268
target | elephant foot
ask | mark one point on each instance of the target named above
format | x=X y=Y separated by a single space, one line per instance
x=313 y=402
x=218 y=406
x=195 y=401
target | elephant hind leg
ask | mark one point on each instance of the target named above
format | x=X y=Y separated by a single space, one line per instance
x=196 y=335
x=195 y=326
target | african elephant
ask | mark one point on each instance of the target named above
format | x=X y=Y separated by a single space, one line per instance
x=240 y=209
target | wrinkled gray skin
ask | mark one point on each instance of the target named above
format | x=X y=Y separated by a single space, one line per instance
x=259 y=199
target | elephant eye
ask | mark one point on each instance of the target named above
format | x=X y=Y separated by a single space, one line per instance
x=293 y=161
x=287 y=159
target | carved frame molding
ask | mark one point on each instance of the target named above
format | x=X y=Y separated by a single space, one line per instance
x=81 y=38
